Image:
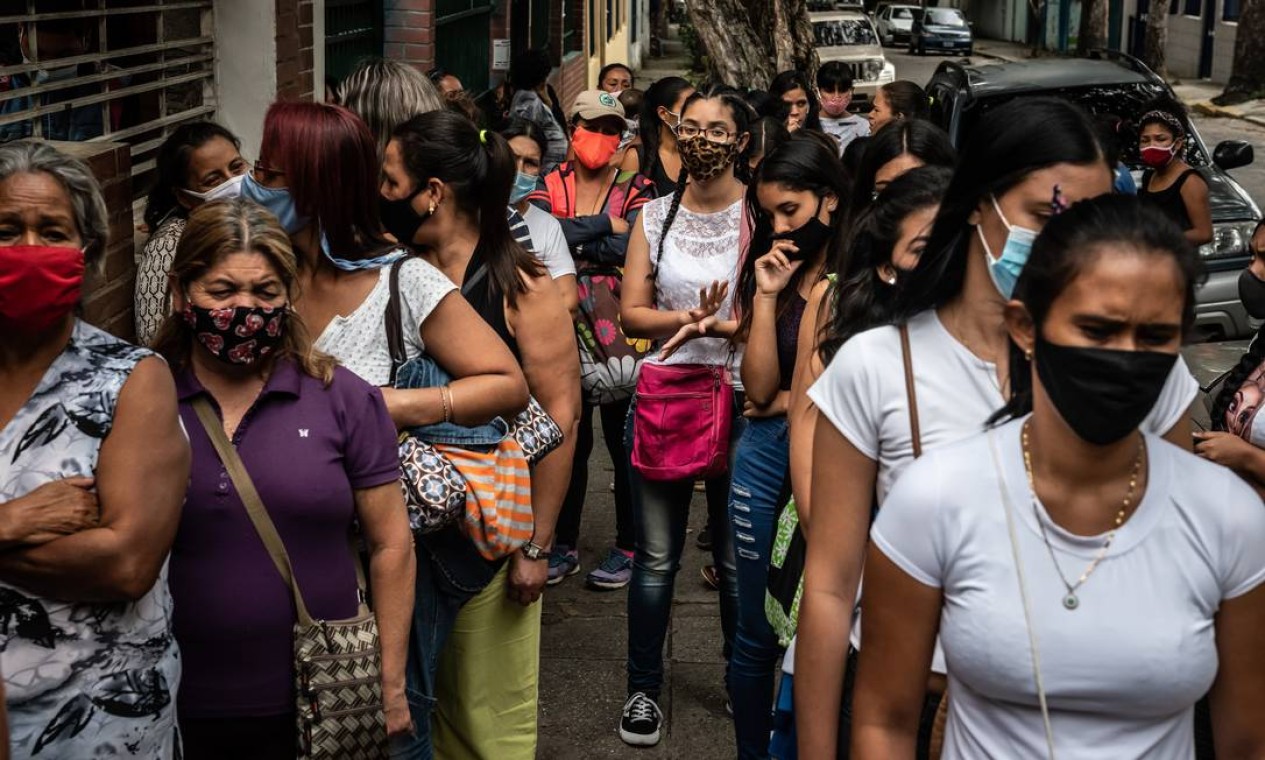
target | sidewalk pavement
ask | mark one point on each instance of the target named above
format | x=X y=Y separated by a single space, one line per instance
x=1196 y=94
x=584 y=647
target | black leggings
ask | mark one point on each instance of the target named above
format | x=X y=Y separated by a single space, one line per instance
x=269 y=738
x=613 y=415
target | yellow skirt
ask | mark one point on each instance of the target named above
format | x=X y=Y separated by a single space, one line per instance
x=486 y=687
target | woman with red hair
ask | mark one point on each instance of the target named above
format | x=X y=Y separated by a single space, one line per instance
x=318 y=173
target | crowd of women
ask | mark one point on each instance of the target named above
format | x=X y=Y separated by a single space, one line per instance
x=763 y=296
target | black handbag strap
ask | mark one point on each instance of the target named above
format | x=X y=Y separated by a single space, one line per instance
x=393 y=319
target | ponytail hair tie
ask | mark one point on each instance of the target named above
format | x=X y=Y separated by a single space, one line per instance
x=483 y=136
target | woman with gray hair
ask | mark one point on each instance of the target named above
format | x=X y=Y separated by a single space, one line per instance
x=93 y=468
x=386 y=94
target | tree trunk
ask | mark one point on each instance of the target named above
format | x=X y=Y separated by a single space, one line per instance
x=748 y=42
x=1247 y=75
x=1093 y=31
x=735 y=55
x=1156 y=36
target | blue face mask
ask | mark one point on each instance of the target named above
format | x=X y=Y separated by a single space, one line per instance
x=523 y=185
x=1005 y=270
x=277 y=200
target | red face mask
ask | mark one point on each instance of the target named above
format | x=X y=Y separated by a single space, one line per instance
x=39 y=285
x=1157 y=157
x=594 y=149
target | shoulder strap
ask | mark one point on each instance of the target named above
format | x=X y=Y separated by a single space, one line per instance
x=393 y=318
x=912 y=395
x=468 y=286
x=250 y=499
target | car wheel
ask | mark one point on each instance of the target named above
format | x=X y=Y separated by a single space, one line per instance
x=970 y=51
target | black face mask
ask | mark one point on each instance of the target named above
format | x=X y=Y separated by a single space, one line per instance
x=1103 y=394
x=1252 y=294
x=809 y=237
x=400 y=219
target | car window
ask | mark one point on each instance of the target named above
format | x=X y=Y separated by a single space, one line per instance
x=839 y=32
x=1125 y=100
x=938 y=17
x=902 y=13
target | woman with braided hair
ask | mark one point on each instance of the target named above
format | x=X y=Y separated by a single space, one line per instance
x=684 y=252
x=1238 y=437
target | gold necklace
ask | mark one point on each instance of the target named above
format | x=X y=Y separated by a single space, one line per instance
x=1071 y=601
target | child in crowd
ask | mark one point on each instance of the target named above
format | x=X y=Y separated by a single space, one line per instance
x=834 y=85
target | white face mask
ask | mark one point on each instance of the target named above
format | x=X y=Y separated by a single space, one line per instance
x=45 y=76
x=230 y=188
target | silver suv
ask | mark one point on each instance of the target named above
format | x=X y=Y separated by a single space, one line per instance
x=850 y=37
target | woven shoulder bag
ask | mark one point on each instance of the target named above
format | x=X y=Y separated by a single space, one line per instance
x=338 y=685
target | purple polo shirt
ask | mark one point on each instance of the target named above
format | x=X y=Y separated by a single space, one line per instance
x=307 y=447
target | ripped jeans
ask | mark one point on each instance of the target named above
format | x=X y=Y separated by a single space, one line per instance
x=759 y=485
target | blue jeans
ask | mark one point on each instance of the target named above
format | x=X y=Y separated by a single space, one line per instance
x=661 y=511
x=450 y=572
x=760 y=482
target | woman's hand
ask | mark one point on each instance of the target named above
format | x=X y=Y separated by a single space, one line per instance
x=395 y=709
x=710 y=300
x=1226 y=449
x=773 y=270
x=686 y=334
x=53 y=510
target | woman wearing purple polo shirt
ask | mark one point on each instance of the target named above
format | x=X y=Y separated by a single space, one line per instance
x=320 y=449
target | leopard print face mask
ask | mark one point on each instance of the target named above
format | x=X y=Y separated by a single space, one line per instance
x=704 y=159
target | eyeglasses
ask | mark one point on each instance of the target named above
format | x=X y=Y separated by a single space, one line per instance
x=263 y=172
x=713 y=134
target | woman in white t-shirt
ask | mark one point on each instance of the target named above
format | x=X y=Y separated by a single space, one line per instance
x=1021 y=163
x=1089 y=581
x=684 y=254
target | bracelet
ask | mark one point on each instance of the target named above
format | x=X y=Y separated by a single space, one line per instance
x=445 y=398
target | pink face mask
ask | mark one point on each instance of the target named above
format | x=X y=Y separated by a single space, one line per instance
x=836 y=106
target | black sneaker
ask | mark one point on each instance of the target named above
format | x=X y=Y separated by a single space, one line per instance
x=704 y=540
x=641 y=722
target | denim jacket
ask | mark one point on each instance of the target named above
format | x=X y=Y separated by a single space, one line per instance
x=425 y=372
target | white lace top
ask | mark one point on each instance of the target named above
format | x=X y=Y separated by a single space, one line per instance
x=359 y=340
x=700 y=249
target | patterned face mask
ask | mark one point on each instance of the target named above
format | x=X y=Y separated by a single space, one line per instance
x=704 y=159
x=237 y=335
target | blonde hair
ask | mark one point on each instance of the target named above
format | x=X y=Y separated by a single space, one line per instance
x=215 y=231
x=385 y=94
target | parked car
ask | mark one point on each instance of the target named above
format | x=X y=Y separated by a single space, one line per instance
x=1118 y=84
x=894 y=23
x=940 y=29
x=850 y=36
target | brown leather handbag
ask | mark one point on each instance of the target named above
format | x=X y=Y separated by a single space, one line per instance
x=338 y=682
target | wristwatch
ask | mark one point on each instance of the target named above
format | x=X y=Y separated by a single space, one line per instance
x=534 y=551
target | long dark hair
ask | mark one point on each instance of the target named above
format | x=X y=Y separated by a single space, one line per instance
x=663 y=92
x=906 y=99
x=805 y=161
x=860 y=299
x=479 y=167
x=1006 y=146
x=1248 y=363
x=171 y=170
x=742 y=115
x=790 y=80
x=1071 y=241
x=921 y=139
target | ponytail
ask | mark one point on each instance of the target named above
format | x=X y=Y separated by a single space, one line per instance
x=479 y=168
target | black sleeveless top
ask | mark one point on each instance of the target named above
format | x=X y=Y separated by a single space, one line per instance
x=482 y=293
x=1169 y=200
x=652 y=169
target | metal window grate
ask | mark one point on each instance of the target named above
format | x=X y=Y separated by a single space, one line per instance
x=114 y=70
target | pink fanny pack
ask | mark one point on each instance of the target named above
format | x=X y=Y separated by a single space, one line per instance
x=682 y=421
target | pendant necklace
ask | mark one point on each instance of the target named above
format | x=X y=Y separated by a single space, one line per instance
x=1071 y=601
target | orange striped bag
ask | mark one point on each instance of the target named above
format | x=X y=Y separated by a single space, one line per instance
x=498 y=517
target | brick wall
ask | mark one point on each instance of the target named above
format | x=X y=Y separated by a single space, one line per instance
x=573 y=75
x=409 y=32
x=294 y=49
x=108 y=290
